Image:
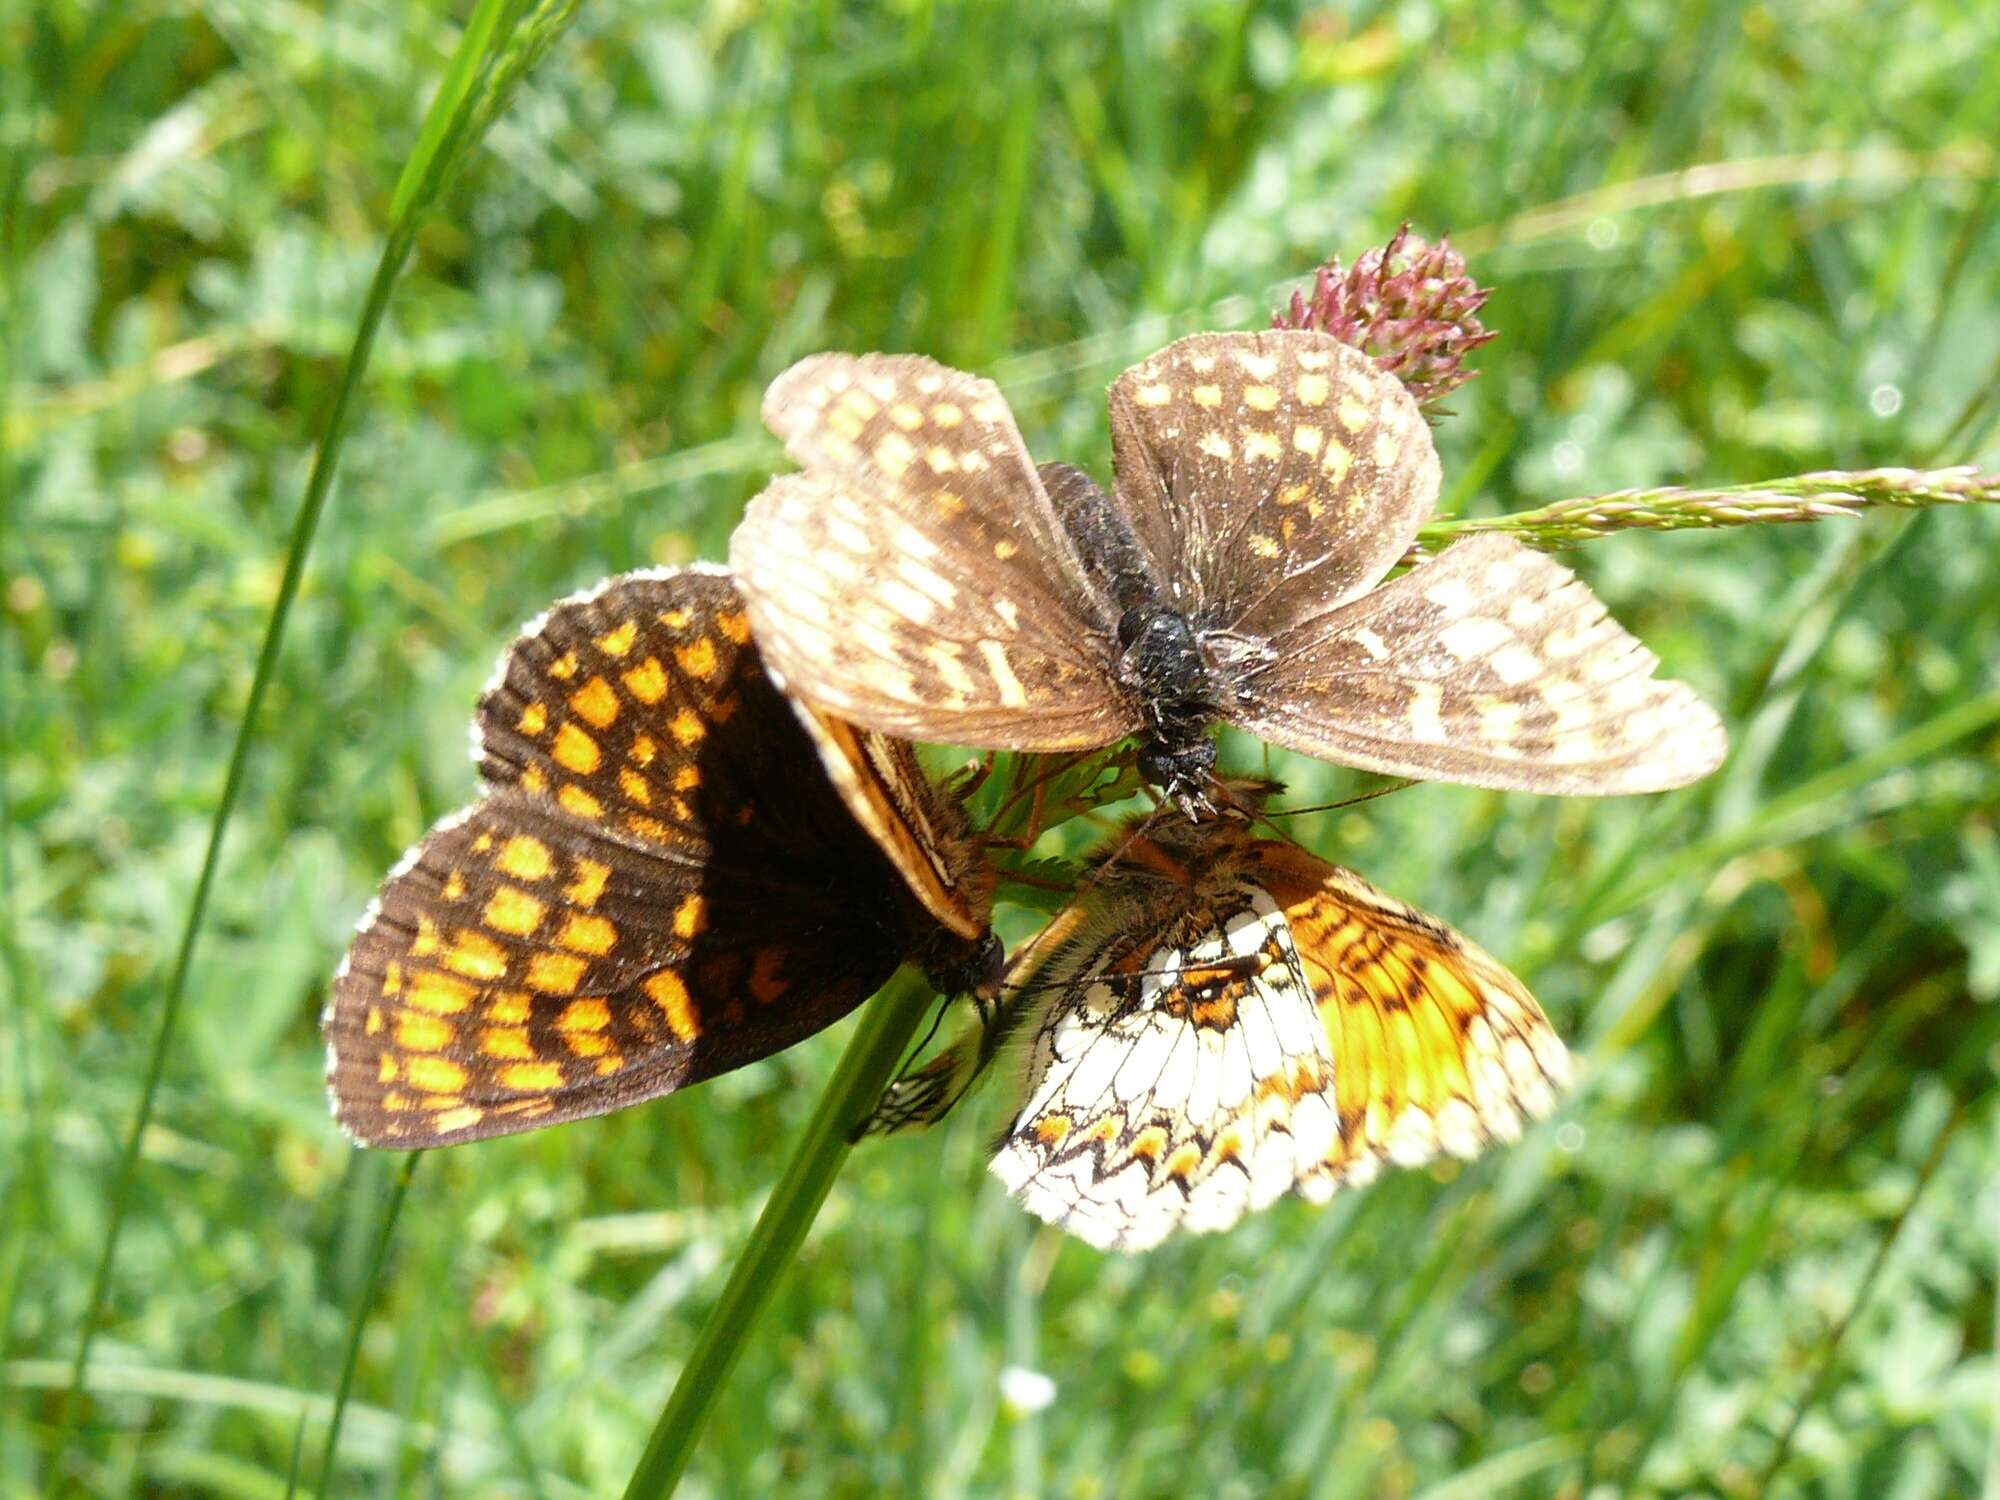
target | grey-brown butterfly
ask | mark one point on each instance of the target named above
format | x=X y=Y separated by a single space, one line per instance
x=924 y=578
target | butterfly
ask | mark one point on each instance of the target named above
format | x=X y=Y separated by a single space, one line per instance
x=1224 y=1019
x=671 y=873
x=923 y=577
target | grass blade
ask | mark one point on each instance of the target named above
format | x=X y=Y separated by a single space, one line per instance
x=489 y=62
x=359 y=1320
x=886 y=1027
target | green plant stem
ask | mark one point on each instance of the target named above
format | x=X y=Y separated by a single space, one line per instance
x=887 y=1024
x=359 y=1321
x=482 y=72
x=1793 y=500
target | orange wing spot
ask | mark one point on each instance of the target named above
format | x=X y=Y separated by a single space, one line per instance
x=532 y=1077
x=586 y=1043
x=426 y=941
x=440 y=994
x=512 y=910
x=556 y=973
x=577 y=751
x=609 y=1064
x=397 y=1099
x=676 y=619
x=682 y=810
x=386 y=1073
x=591 y=876
x=373 y=1023
x=634 y=786
x=687 y=778
x=1183 y=1162
x=481 y=844
x=596 y=703
x=650 y=828
x=767 y=980
x=508 y=1043
x=587 y=934
x=1150 y=1144
x=575 y=799
x=589 y=1014
x=666 y=991
x=435 y=1075
x=532 y=780
x=476 y=956
x=563 y=667
x=643 y=750
x=723 y=709
x=691 y=917
x=698 y=660
x=534 y=719
x=618 y=642
x=1052 y=1130
x=454 y=886
x=462 y=1118
x=392 y=979
x=525 y=1107
x=1106 y=1129
x=510 y=1007
x=648 y=681
x=525 y=858
x=734 y=624
x=417 y=1032
x=688 y=728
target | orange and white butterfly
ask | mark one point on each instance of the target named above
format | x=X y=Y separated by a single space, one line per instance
x=1225 y=1019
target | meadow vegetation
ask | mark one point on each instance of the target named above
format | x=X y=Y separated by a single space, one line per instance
x=1755 y=1254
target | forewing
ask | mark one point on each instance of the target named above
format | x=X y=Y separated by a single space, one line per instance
x=924 y=622
x=525 y=966
x=1437 y=1048
x=1491 y=665
x=1269 y=476
x=1174 y=1075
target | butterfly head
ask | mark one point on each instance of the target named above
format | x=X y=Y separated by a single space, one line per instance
x=956 y=966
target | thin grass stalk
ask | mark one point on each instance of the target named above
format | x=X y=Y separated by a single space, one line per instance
x=502 y=41
x=1793 y=500
x=887 y=1025
x=364 y=1300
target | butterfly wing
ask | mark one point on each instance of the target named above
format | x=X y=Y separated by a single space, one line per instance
x=526 y=967
x=1437 y=1048
x=1268 y=476
x=1490 y=665
x=925 y=834
x=916 y=579
x=661 y=885
x=1175 y=1073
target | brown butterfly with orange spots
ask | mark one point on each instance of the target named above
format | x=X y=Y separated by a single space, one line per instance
x=664 y=881
x=924 y=578
x=1225 y=1019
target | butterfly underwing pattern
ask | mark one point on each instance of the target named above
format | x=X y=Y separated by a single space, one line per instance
x=1225 y=1019
x=922 y=577
x=663 y=881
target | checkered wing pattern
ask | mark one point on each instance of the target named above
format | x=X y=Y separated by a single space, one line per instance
x=1175 y=1074
x=661 y=885
x=1491 y=665
x=1268 y=476
x=915 y=578
x=1437 y=1048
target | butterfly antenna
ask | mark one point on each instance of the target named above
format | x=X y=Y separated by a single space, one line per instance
x=937 y=1020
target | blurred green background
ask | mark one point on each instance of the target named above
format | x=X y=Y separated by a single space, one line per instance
x=1730 y=241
